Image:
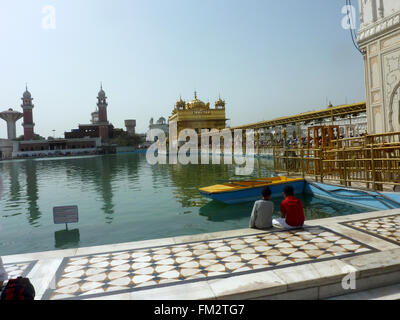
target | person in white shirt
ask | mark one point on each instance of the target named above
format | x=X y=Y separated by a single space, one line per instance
x=3 y=273
x=261 y=216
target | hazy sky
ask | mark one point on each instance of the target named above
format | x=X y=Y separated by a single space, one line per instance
x=266 y=58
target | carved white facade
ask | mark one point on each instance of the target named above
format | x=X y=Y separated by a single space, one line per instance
x=160 y=124
x=379 y=40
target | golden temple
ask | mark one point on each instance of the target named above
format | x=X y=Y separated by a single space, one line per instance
x=198 y=115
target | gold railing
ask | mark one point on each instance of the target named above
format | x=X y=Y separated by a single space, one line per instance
x=373 y=160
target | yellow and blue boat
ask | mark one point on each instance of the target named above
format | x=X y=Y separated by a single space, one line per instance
x=240 y=191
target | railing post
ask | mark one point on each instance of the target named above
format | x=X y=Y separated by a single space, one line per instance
x=286 y=159
x=302 y=162
x=321 y=166
x=365 y=163
x=345 y=168
x=373 y=167
x=315 y=164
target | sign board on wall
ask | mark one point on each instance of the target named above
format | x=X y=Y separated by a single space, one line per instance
x=65 y=214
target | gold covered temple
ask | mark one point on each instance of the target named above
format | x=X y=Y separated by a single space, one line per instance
x=198 y=115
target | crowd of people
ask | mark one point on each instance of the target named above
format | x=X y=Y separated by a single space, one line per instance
x=293 y=141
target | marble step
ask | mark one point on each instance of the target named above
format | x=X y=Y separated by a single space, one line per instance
x=384 y=293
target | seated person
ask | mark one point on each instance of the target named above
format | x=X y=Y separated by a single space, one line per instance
x=3 y=274
x=292 y=212
x=261 y=216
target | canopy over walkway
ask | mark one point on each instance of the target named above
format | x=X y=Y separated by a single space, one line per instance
x=332 y=112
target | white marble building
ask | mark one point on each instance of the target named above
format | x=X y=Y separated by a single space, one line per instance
x=379 y=40
x=160 y=124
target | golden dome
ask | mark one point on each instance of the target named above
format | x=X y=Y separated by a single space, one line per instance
x=180 y=104
x=197 y=104
x=220 y=103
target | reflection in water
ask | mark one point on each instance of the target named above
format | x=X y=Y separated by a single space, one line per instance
x=32 y=193
x=314 y=208
x=106 y=169
x=15 y=188
x=66 y=238
x=188 y=179
x=218 y=211
x=121 y=199
x=159 y=175
x=130 y=166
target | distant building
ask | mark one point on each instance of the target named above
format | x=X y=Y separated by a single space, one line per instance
x=85 y=140
x=198 y=115
x=38 y=148
x=130 y=126
x=6 y=148
x=99 y=127
x=88 y=130
x=160 y=124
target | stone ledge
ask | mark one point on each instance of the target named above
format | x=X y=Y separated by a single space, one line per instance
x=362 y=284
x=378 y=262
x=334 y=288
x=391 y=292
x=304 y=294
x=248 y=286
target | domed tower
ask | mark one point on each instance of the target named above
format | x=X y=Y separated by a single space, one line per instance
x=180 y=104
x=220 y=104
x=197 y=104
x=27 y=107
x=102 y=114
x=102 y=105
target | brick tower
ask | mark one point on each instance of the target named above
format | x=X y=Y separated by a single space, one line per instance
x=102 y=110
x=28 y=123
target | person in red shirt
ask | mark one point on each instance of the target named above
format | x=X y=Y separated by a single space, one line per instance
x=292 y=212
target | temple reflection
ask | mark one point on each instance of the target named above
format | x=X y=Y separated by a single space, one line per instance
x=218 y=211
x=187 y=179
x=186 y=183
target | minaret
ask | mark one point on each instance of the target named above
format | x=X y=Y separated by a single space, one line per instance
x=27 y=107
x=102 y=110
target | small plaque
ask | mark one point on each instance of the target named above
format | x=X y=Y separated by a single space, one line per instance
x=65 y=214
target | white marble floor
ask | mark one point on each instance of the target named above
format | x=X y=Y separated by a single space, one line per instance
x=213 y=264
x=124 y=271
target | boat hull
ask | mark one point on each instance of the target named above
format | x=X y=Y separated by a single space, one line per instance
x=253 y=194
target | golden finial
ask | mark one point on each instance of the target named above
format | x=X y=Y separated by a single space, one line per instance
x=220 y=102
x=180 y=104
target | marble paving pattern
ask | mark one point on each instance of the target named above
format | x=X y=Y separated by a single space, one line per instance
x=386 y=228
x=20 y=269
x=125 y=271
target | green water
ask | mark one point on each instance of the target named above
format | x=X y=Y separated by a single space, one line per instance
x=121 y=198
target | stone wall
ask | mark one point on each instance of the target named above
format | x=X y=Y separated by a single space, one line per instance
x=6 y=148
x=379 y=39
